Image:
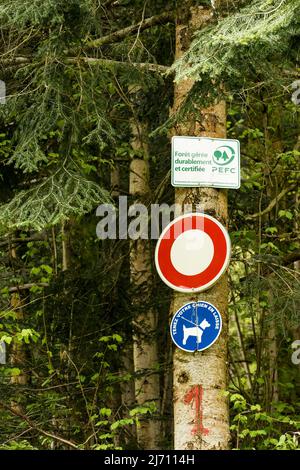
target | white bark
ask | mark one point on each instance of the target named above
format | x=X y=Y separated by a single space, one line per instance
x=145 y=345
x=202 y=373
x=126 y=354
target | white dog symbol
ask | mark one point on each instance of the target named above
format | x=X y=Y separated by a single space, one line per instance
x=195 y=331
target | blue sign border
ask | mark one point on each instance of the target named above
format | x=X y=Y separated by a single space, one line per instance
x=182 y=310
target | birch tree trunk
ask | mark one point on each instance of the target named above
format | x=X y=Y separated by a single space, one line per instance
x=19 y=353
x=127 y=388
x=273 y=146
x=145 y=353
x=66 y=249
x=201 y=374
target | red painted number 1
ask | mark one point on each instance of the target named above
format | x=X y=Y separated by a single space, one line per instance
x=194 y=398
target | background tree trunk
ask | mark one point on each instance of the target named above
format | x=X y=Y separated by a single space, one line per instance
x=127 y=388
x=19 y=352
x=145 y=353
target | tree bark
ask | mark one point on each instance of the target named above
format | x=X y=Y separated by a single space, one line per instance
x=145 y=322
x=202 y=372
x=127 y=389
x=19 y=351
x=66 y=248
x=269 y=328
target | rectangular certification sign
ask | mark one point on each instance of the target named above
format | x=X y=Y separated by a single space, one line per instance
x=204 y=161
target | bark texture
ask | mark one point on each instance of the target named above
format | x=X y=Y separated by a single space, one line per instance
x=127 y=389
x=145 y=322
x=201 y=373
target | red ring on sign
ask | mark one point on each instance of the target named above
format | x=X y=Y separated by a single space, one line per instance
x=220 y=260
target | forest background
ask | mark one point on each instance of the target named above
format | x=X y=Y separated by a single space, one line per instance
x=88 y=116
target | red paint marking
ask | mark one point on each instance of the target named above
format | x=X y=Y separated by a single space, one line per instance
x=195 y=397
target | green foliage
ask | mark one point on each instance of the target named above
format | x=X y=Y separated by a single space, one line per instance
x=65 y=127
x=59 y=197
x=243 y=44
x=256 y=429
x=256 y=46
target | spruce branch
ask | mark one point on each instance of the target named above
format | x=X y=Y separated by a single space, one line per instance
x=240 y=46
x=115 y=63
x=64 y=194
x=116 y=36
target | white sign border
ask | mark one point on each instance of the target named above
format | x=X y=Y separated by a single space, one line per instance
x=205 y=184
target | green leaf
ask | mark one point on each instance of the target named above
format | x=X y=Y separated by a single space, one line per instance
x=117 y=338
x=46 y=268
x=105 y=412
x=285 y=213
x=7 y=339
x=121 y=423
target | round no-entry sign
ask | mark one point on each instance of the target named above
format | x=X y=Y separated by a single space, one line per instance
x=192 y=252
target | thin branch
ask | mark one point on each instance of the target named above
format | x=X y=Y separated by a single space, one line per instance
x=16 y=60
x=143 y=65
x=96 y=61
x=116 y=36
x=138 y=31
x=272 y=203
x=241 y=341
x=37 y=428
x=28 y=286
x=34 y=238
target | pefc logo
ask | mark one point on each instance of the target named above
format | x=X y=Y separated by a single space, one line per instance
x=223 y=155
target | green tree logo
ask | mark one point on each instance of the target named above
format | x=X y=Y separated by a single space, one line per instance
x=223 y=155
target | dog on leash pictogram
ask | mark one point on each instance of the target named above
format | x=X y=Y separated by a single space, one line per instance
x=196 y=331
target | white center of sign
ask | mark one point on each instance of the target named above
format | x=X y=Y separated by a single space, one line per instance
x=192 y=252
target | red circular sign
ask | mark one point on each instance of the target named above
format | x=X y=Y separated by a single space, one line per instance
x=192 y=252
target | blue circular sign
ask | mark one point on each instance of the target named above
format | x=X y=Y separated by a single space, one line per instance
x=196 y=326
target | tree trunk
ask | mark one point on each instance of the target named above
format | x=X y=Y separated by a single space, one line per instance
x=145 y=322
x=127 y=390
x=2 y=352
x=66 y=249
x=269 y=329
x=19 y=352
x=296 y=331
x=202 y=374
